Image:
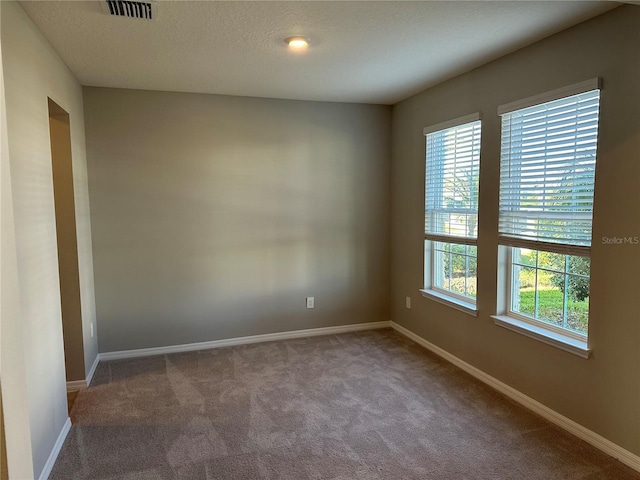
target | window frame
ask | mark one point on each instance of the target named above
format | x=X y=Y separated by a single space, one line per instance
x=433 y=282
x=563 y=338
x=430 y=288
x=525 y=318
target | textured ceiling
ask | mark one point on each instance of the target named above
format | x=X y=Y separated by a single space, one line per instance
x=371 y=52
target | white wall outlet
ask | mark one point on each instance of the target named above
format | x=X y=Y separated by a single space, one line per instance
x=407 y=302
x=91 y=325
x=310 y=302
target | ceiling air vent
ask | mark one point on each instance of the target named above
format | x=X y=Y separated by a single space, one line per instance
x=131 y=9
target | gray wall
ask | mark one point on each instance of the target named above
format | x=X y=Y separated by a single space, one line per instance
x=33 y=72
x=601 y=393
x=214 y=216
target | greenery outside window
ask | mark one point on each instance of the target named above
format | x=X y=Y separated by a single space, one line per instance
x=550 y=288
x=451 y=211
x=455 y=269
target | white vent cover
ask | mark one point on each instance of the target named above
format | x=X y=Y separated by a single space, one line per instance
x=130 y=8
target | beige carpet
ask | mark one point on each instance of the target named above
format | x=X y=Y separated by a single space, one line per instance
x=367 y=405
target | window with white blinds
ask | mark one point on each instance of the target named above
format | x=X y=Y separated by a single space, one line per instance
x=547 y=173
x=451 y=212
x=451 y=183
x=547 y=180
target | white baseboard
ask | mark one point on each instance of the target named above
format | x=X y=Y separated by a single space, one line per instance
x=53 y=456
x=267 y=337
x=92 y=370
x=598 y=441
x=75 y=385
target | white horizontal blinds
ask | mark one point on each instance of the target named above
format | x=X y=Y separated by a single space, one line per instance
x=451 y=188
x=547 y=172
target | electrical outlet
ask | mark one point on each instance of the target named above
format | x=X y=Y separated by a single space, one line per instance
x=407 y=302
x=310 y=302
x=91 y=329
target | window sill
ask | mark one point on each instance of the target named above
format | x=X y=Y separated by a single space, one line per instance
x=563 y=342
x=461 y=305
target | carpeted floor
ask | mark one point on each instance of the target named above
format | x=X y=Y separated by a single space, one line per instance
x=368 y=405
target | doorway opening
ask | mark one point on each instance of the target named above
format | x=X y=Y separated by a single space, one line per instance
x=66 y=233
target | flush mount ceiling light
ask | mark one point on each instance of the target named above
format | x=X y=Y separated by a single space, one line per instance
x=297 y=43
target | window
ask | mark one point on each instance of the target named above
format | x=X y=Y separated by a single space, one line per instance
x=451 y=211
x=551 y=287
x=547 y=174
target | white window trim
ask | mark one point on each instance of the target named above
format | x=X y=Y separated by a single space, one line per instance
x=445 y=297
x=566 y=340
x=531 y=320
x=450 y=300
x=569 y=90
x=472 y=117
x=558 y=340
x=467 y=304
x=536 y=329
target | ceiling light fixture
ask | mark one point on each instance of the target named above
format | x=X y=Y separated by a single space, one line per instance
x=297 y=43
